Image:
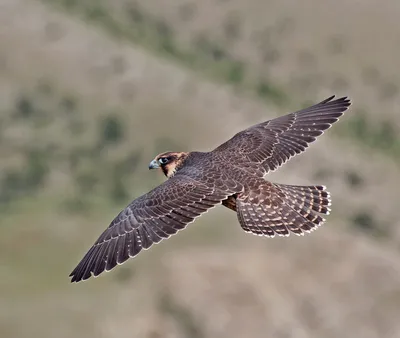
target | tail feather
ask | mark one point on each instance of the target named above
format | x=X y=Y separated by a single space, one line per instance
x=314 y=197
x=295 y=209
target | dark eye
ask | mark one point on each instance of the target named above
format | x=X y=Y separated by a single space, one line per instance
x=163 y=160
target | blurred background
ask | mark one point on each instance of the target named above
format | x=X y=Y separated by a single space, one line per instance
x=92 y=90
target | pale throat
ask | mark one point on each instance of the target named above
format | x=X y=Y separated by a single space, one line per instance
x=171 y=170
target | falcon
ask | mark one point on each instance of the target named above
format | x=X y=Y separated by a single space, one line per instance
x=232 y=175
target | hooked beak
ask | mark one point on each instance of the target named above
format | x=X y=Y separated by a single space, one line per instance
x=154 y=165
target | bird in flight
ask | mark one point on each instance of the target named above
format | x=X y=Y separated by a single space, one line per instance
x=231 y=175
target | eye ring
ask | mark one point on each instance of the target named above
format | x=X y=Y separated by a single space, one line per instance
x=163 y=160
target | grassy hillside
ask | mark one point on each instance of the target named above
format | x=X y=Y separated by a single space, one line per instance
x=92 y=90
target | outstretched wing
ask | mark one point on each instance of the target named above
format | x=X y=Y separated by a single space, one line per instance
x=270 y=144
x=162 y=212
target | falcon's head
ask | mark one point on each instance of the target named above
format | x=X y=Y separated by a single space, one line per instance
x=169 y=162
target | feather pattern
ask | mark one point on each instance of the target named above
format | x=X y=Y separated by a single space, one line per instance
x=281 y=209
x=232 y=175
x=146 y=221
x=270 y=144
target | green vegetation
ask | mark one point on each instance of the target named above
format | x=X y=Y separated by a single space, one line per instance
x=88 y=166
x=366 y=222
x=206 y=56
x=354 y=179
x=378 y=135
x=91 y=89
x=111 y=131
x=213 y=58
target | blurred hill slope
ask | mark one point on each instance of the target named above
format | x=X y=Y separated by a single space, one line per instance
x=85 y=107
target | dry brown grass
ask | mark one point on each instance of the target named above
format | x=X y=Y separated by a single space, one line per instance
x=212 y=280
x=311 y=48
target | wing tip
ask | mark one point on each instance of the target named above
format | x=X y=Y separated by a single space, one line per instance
x=99 y=260
x=328 y=105
x=344 y=99
x=77 y=276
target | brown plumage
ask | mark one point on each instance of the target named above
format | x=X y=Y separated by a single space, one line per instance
x=231 y=175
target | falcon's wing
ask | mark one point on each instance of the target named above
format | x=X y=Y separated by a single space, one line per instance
x=270 y=144
x=162 y=212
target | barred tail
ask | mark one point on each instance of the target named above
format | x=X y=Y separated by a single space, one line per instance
x=294 y=209
x=313 y=197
